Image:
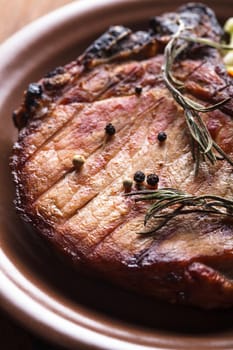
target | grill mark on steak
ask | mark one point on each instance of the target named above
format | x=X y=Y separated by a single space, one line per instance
x=32 y=138
x=107 y=246
x=121 y=135
x=54 y=134
x=84 y=178
x=141 y=140
x=130 y=78
x=81 y=139
x=112 y=77
x=90 y=228
x=206 y=84
x=35 y=127
x=148 y=76
x=123 y=247
x=90 y=89
x=91 y=187
x=90 y=253
x=84 y=213
x=184 y=69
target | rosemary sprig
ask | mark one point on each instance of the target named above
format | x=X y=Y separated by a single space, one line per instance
x=170 y=203
x=204 y=148
x=207 y=42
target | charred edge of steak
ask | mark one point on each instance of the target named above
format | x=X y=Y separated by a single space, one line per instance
x=110 y=48
x=199 y=20
x=194 y=15
x=32 y=97
x=105 y=45
x=34 y=100
x=118 y=43
x=204 y=13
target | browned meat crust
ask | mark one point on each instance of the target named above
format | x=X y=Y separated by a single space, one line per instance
x=83 y=212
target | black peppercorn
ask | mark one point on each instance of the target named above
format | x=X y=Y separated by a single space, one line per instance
x=34 y=92
x=139 y=176
x=110 y=129
x=162 y=136
x=138 y=90
x=152 y=179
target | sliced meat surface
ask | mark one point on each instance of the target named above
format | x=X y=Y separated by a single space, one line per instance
x=83 y=211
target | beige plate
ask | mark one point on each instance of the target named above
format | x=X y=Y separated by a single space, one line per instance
x=36 y=287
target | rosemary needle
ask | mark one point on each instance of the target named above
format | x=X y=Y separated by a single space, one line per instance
x=169 y=203
x=207 y=42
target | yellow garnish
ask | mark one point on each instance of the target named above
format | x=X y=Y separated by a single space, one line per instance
x=228 y=26
x=230 y=71
x=228 y=58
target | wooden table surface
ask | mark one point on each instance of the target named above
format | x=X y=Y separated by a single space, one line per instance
x=14 y=15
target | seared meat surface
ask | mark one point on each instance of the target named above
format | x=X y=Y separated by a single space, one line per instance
x=83 y=211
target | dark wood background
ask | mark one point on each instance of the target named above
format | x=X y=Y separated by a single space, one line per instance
x=14 y=15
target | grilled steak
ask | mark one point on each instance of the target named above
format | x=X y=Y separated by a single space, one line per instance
x=80 y=205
